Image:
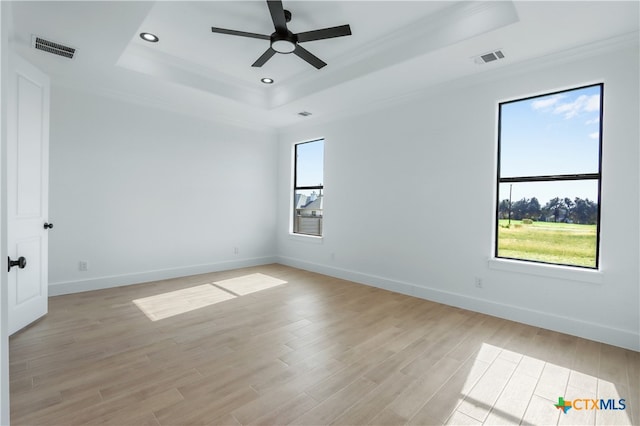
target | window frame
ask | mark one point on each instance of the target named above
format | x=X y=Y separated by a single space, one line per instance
x=551 y=178
x=304 y=187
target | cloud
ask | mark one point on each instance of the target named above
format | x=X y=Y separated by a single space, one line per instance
x=594 y=135
x=593 y=103
x=583 y=103
x=546 y=102
x=593 y=121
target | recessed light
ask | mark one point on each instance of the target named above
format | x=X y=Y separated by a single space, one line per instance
x=304 y=113
x=152 y=38
x=267 y=80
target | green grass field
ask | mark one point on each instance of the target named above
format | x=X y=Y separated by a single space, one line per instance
x=562 y=243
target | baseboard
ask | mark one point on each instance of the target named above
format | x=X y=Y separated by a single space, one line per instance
x=68 y=287
x=588 y=330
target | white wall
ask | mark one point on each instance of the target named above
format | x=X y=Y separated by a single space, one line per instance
x=411 y=163
x=143 y=194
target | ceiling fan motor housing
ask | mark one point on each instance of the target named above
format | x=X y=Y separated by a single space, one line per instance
x=284 y=43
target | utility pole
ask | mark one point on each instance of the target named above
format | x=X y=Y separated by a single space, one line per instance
x=510 y=189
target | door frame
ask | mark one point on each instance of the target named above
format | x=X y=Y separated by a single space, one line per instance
x=5 y=13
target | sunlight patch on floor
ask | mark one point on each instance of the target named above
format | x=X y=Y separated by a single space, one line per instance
x=506 y=387
x=249 y=283
x=178 y=302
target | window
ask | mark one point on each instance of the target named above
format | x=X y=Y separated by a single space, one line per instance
x=549 y=174
x=308 y=190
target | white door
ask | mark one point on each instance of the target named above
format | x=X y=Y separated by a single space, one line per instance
x=27 y=192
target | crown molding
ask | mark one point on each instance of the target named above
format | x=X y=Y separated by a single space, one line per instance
x=161 y=104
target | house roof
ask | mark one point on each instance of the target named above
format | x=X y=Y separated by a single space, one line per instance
x=315 y=204
x=300 y=201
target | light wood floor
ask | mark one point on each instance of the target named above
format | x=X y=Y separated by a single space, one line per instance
x=275 y=345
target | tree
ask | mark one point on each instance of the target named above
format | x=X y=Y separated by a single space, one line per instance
x=503 y=209
x=584 y=211
x=569 y=205
x=519 y=209
x=533 y=209
x=553 y=208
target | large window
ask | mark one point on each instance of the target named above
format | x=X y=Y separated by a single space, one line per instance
x=308 y=190
x=549 y=174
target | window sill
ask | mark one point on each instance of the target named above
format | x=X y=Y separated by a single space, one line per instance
x=593 y=276
x=306 y=238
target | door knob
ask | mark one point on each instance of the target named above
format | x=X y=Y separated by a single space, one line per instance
x=48 y=225
x=20 y=263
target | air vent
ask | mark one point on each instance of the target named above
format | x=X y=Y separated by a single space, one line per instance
x=52 y=47
x=304 y=113
x=489 y=57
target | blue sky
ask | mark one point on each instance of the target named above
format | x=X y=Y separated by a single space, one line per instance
x=551 y=135
x=310 y=163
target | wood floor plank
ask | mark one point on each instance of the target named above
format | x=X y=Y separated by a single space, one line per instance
x=264 y=403
x=130 y=404
x=156 y=381
x=539 y=412
x=330 y=409
x=482 y=397
x=587 y=358
x=300 y=376
x=460 y=419
x=52 y=414
x=139 y=419
x=286 y=413
x=633 y=370
x=204 y=410
x=342 y=378
x=421 y=390
x=513 y=400
x=232 y=378
x=448 y=397
x=613 y=365
x=367 y=408
x=613 y=391
x=553 y=382
x=389 y=417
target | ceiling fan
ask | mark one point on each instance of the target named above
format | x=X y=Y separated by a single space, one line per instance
x=284 y=41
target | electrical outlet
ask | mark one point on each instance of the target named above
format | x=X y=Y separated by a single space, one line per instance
x=83 y=266
x=236 y=250
x=478 y=282
x=333 y=256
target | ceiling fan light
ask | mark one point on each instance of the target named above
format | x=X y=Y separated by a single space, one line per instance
x=283 y=46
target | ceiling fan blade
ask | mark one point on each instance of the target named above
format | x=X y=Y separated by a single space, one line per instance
x=277 y=15
x=264 y=58
x=340 y=31
x=240 y=33
x=309 y=57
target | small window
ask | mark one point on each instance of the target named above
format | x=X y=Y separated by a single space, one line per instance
x=549 y=178
x=308 y=190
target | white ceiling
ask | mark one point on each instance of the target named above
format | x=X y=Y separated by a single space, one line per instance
x=397 y=48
